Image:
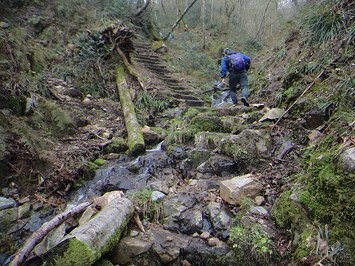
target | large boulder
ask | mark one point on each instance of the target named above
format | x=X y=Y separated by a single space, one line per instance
x=235 y=190
x=128 y=248
x=346 y=161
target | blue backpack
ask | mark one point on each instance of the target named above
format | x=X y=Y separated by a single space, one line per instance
x=236 y=62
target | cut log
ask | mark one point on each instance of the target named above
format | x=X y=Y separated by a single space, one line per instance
x=87 y=243
x=136 y=144
x=38 y=236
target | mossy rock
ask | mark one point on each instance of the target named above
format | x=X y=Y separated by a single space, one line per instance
x=99 y=162
x=157 y=45
x=207 y=123
x=74 y=252
x=118 y=145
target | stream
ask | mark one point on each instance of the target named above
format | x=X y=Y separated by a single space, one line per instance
x=124 y=174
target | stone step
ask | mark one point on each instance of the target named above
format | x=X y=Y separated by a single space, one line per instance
x=184 y=96
x=148 y=61
x=176 y=88
x=158 y=69
x=190 y=103
x=143 y=44
x=169 y=79
x=185 y=91
x=151 y=56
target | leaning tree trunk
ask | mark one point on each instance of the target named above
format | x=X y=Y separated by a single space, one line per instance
x=177 y=22
x=136 y=143
x=144 y=7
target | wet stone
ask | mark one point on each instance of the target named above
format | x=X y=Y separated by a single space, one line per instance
x=157 y=195
x=259 y=211
x=6 y=203
x=259 y=200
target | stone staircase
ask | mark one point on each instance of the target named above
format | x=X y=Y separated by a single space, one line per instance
x=180 y=93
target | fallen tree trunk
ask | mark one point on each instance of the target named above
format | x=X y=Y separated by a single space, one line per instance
x=38 y=236
x=129 y=67
x=87 y=243
x=136 y=144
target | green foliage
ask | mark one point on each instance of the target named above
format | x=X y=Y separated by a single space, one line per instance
x=325 y=23
x=61 y=120
x=150 y=210
x=29 y=137
x=193 y=61
x=206 y=123
x=254 y=44
x=145 y=102
x=92 y=47
x=252 y=241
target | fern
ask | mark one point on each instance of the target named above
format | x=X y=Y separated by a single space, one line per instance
x=145 y=102
x=325 y=25
x=61 y=119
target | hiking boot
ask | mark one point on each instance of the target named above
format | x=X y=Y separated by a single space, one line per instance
x=244 y=101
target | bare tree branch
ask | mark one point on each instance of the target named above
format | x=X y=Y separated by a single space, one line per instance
x=263 y=19
x=38 y=236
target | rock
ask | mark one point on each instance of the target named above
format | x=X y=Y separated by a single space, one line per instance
x=6 y=218
x=193 y=182
x=220 y=218
x=205 y=235
x=273 y=114
x=195 y=235
x=149 y=135
x=198 y=251
x=161 y=186
x=24 y=210
x=259 y=200
x=186 y=263
x=198 y=156
x=222 y=165
x=248 y=221
x=87 y=101
x=192 y=221
x=133 y=233
x=156 y=195
x=6 y=203
x=129 y=248
x=166 y=249
x=314 y=137
x=4 y=25
x=346 y=161
x=214 y=241
x=235 y=190
x=259 y=211
x=112 y=156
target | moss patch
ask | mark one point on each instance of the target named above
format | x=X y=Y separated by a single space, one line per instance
x=75 y=252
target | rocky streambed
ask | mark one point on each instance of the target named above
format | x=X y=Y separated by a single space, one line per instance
x=200 y=198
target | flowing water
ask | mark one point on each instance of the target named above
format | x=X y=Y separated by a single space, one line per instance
x=124 y=174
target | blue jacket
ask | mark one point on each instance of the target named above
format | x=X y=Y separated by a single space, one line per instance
x=225 y=65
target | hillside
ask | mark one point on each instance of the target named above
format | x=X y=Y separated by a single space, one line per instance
x=62 y=121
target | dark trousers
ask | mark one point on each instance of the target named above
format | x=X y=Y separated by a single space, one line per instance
x=240 y=78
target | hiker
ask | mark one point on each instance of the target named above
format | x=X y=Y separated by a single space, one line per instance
x=171 y=36
x=237 y=64
x=185 y=28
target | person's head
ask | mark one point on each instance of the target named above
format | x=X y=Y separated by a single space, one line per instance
x=226 y=51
